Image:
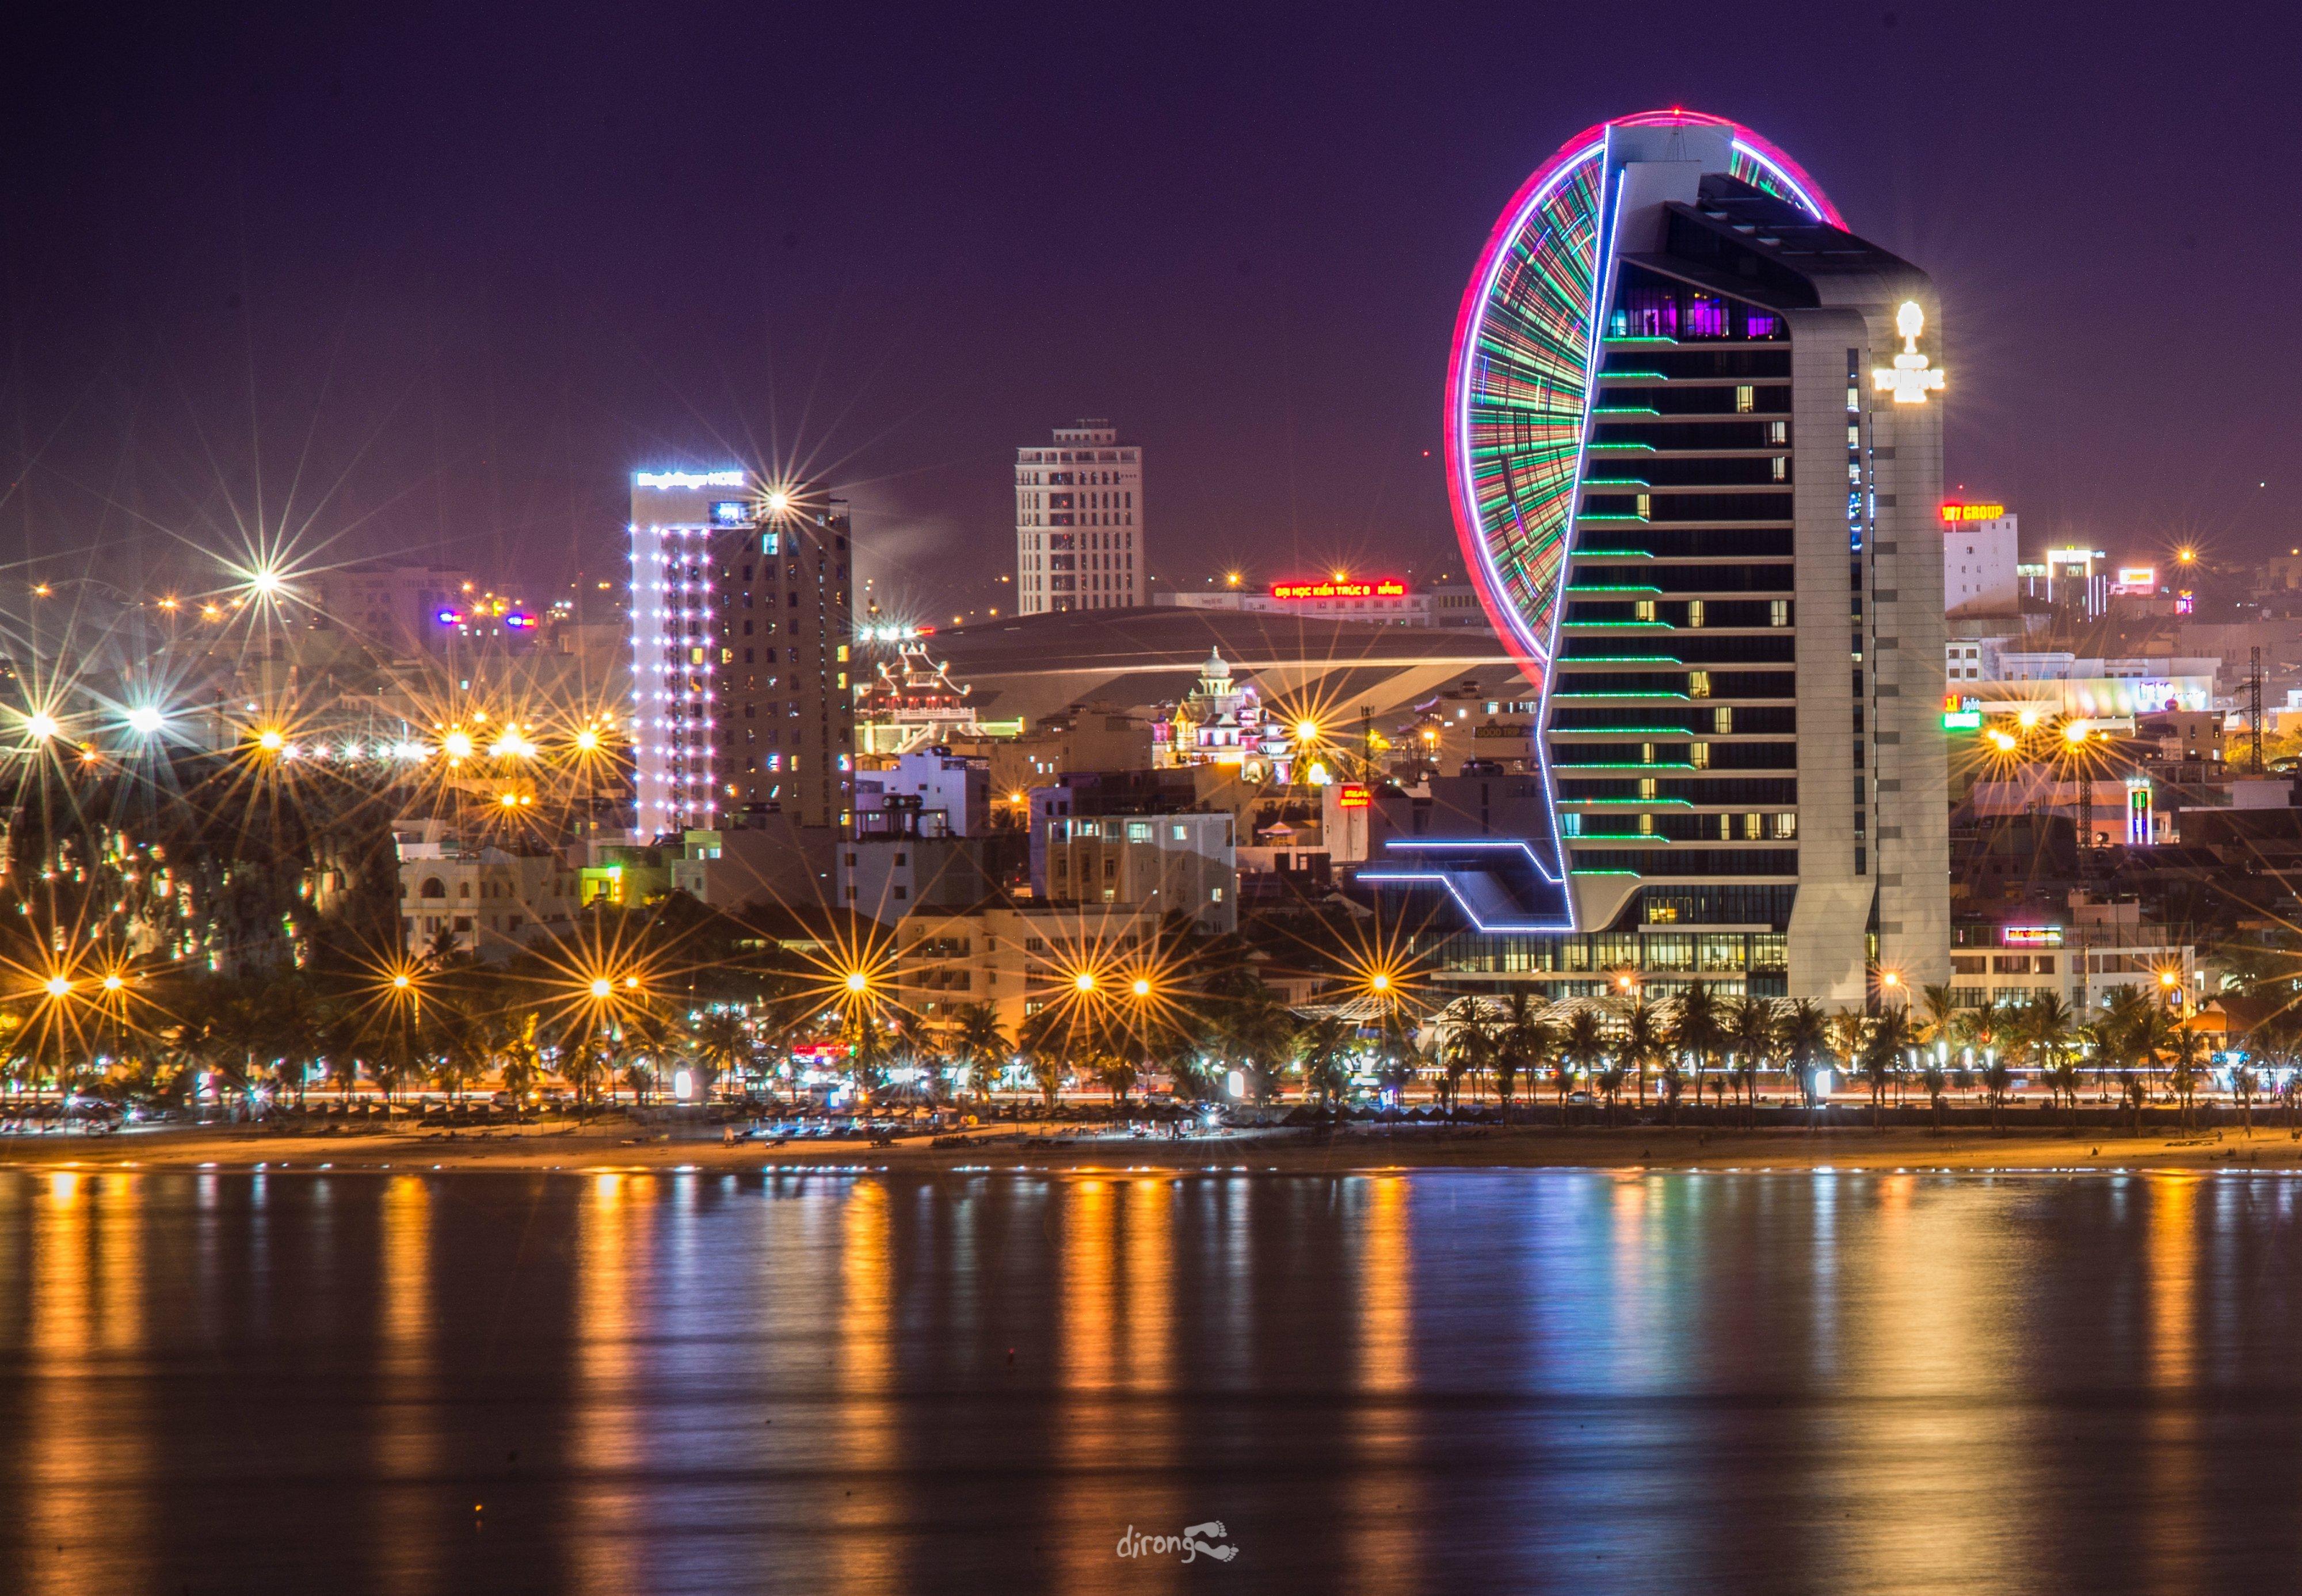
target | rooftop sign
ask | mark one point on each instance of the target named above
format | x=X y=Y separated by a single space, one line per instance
x=1386 y=587
x=687 y=479
x=1952 y=513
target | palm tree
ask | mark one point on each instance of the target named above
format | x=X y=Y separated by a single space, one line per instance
x=2243 y=1082
x=2045 y=1032
x=721 y=1047
x=979 y=1042
x=1328 y=1044
x=1582 y=1050
x=1751 y=1032
x=1889 y=1033
x=1803 y=1034
x=1521 y=1047
x=1470 y=1043
x=1641 y=1040
x=1035 y=1040
x=2182 y=1071
x=1696 y=1030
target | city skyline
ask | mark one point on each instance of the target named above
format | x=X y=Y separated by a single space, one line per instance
x=490 y=401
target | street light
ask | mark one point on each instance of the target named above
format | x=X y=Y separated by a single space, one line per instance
x=1142 y=988
x=41 y=725
x=1084 y=980
x=144 y=720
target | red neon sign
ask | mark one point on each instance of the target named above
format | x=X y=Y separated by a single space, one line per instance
x=1953 y=513
x=1387 y=587
x=1354 y=796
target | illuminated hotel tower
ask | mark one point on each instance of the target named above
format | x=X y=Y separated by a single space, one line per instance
x=741 y=610
x=1694 y=448
x=1079 y=523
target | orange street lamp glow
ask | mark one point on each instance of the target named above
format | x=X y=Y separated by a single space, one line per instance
x=1307 y=731
x=1889 y=978
x=457 y=745
x=586 y=740
x=270 y=740
x=602 y=987
x=858 y=982
x=1142 y=988
x=2167 y=978
x=400 y=981
x=1084 y=980
x=631 y=983
x=2075 y=732
x=57 y=986
x=2002 y=741
x=113 y=982
x=1380 y=981
x=41 y=725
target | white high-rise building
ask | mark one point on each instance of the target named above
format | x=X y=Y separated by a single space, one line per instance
x=674 y=639
x=1078 y=522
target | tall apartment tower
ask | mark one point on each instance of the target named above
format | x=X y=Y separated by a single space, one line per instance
x=1694 y=446
x=742 y=596
x=1079 y=523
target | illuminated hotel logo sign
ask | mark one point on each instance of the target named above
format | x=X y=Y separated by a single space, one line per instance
x=1953 y=514
x=687 y=479
x=2135 y=580
x=1352 y=795
x=1911 y=379
x=2031 y=936
x=1387 y=587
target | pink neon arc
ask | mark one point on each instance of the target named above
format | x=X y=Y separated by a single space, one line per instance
x=1534 y=653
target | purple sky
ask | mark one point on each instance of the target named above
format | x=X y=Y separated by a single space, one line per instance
x=434 y=283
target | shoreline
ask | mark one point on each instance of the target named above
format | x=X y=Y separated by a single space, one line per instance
x=1652 y=1149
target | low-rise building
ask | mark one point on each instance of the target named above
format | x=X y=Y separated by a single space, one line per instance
x=1175 y=863
x=2082 y=955
x=1020 y=958
x=487 y=901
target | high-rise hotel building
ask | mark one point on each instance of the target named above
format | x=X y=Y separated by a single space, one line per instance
x=1694 y=446
x=741 y=614
x=1079 y=523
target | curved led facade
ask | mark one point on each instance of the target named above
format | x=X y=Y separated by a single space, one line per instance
x=1519 y=382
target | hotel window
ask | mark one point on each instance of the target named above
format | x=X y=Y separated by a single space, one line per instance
x=1694 y=614
x=1722 y=719
x=1698 y=684
x=1778 y=432
x=1778 y=612
x=1746 y=399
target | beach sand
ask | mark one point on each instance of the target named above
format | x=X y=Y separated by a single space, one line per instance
x=617 y=1145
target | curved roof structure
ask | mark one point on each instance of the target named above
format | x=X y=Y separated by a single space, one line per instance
x=1519 y=382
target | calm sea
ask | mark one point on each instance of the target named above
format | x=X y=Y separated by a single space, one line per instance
x=1447 y=1382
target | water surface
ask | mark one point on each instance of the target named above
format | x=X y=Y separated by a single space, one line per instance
x=1450 y=1381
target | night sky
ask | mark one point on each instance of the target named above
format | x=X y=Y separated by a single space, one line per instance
x=433 y=281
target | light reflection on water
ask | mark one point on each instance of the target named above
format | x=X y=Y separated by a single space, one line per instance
x=1391 y=1382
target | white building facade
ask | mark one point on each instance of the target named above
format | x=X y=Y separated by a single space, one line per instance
x=1980 y=558
x=674 y=639
x=1078 y=522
